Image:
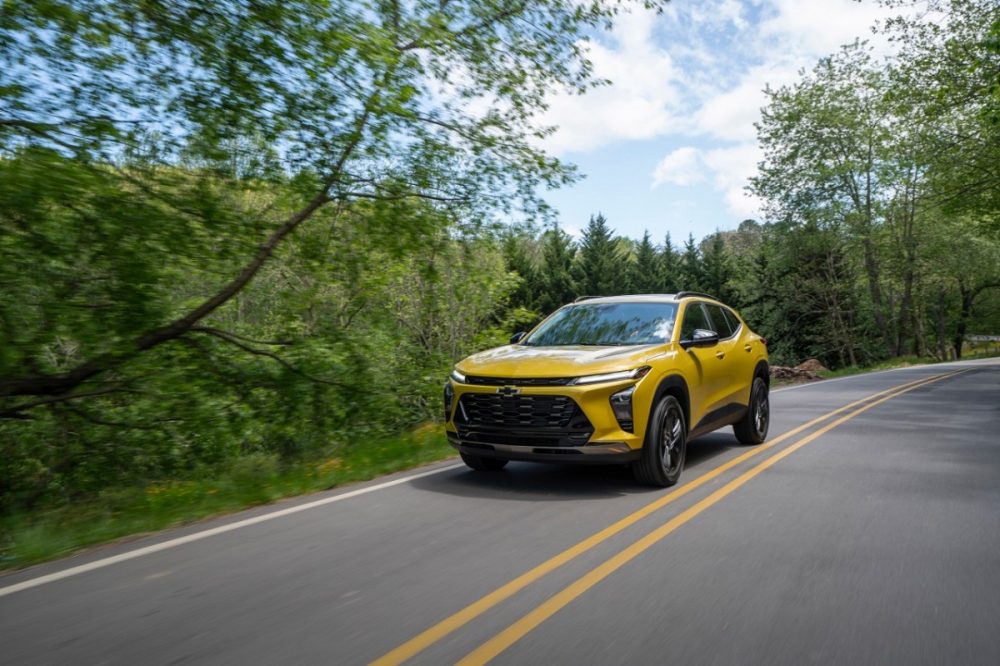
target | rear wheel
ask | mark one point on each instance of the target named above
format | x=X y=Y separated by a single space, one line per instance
x=662 y=457
x=483 y=464
x=752 y=428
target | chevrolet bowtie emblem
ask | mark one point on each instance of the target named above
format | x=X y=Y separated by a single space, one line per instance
x=508 y=390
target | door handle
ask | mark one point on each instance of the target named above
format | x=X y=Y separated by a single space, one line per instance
x=720 y=355
x=748 y=348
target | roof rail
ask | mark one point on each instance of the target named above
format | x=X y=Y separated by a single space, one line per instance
x=690 y=294
x=584 y=298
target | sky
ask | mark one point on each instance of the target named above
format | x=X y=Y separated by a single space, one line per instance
x=670 y=145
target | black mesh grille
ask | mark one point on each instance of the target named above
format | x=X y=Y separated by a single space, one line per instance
x=548 y=420
x=518 y=411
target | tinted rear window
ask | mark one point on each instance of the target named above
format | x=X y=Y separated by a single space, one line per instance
x=720 y=323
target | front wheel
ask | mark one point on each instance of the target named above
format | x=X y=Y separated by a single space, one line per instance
x=662 y=457
x=752 y=428
x=483 y=464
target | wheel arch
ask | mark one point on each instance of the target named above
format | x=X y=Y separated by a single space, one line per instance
x=676 y=386
x=763 y=371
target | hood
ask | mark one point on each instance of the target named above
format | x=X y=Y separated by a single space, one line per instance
x=522 y=361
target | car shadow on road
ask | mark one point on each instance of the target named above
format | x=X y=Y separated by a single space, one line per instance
x=560 y=482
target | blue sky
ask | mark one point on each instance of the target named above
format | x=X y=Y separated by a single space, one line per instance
x=670 y=145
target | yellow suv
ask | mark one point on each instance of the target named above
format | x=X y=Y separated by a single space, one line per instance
x=612 y=379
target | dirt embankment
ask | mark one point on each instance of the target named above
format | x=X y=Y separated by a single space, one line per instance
x=807 y=371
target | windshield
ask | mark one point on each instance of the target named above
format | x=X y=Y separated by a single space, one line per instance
x=607 y=324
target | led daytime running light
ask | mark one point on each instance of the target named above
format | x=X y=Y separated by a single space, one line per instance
x=637 y=373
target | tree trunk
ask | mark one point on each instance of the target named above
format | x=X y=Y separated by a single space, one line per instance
x=874 y=287
x=942 y=351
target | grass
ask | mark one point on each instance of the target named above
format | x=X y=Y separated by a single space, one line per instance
x=254 y=480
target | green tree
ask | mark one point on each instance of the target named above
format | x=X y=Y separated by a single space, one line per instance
x=668 y=267
x=644 y=271
x=351 y=92
x=518 y=250
x=716 y=267
x=827 y=144
x=556 y=285
x=600 y=266
x=691 y=273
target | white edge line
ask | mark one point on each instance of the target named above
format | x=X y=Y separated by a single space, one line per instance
x=204 y=534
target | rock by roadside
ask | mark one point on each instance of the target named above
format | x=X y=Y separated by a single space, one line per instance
x=800 y=374
x=811 y=365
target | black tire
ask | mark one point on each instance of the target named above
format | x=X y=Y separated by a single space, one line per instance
x=752 y=428
x=662 y=457
x=482 y=464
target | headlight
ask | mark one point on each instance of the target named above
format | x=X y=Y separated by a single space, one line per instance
x=621 y=405
x=637 y=373
x=458 y=376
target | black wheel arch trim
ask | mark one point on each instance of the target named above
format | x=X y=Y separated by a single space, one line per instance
x=676 y=386
x=763 y=371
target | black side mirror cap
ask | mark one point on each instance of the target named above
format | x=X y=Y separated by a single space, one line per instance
x=517 y=337
x=702 y=337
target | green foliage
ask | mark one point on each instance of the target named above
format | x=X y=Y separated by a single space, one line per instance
x=556 y=285
x=600 y=269
x=256 y=229
x=691 y=272
x=716 y=268
x=644 y=276
x=668 y=267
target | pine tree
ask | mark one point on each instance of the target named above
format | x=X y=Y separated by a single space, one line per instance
x=555 y=283
x=644 y=272
x=690 y=266
x=600 y=270
x=716 y=267
x=668 y=267
x=519 y=260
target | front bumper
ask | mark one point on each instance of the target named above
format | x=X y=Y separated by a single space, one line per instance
x=594 y=453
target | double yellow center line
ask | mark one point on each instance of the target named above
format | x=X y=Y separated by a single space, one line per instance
x=518 y=629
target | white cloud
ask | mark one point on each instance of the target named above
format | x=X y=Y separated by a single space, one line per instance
x=729 y=169
x=736 y=51
x=684 y=166
x=640 y=103
x=732 y=167
x=821 y=28
x=730 y=115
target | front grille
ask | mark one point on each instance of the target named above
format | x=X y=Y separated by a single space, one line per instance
x=519 y=381
x=546 y=420
x=518 y=411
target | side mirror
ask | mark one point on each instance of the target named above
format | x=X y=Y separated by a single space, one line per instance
x=702 y=337
x=517 y=337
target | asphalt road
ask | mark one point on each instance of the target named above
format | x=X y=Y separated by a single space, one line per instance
x=870 y=536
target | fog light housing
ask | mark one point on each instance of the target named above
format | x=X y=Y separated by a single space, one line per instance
x=621 y=405
x=449 y=397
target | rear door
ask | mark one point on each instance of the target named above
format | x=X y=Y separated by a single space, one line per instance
x=728 y=353
x=709 y=368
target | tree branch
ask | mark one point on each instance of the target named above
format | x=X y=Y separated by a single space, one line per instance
x=222 y=335
x=17 y=411
x=64 y=382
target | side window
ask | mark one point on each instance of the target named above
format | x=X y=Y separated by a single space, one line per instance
x=719 y=322
x=694 y=317
x=734 y=321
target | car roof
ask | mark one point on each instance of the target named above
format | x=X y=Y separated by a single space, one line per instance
x=645 y=298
